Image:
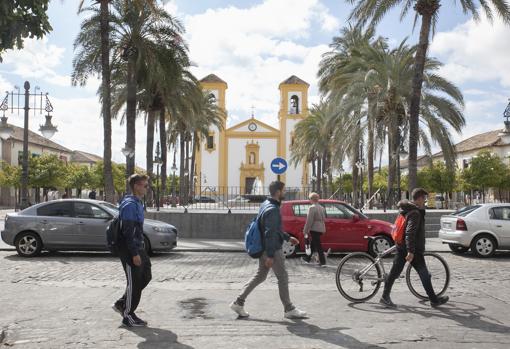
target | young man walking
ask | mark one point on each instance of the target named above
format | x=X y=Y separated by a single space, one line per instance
x=136 y=263
x=273 y=258
x=412 y=249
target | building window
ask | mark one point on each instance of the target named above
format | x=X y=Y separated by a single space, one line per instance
x=465 y=164
x=252 y=158
x=210 y=142
x=294 y=105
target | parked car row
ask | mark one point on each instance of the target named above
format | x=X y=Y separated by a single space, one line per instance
x=79 y=224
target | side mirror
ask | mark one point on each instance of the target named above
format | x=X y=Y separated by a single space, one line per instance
x=355 y=218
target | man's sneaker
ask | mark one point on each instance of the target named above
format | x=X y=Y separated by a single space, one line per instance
x=295 y=314
x=440 y=301
x=128 y=321
x=386 y=301
x=118 y=308
x=239 y=309
x=138 y=320
x=305 y=260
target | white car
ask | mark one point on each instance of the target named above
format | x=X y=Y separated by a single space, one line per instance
x=238 y=201
x=484 y=228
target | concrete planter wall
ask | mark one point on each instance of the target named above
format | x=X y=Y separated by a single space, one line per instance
x=200 y=225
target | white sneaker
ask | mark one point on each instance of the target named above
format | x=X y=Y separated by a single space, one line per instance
x=296 y=314
x=239 y=309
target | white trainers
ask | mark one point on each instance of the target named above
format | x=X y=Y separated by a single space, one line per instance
x=239 y=309
x=296 y=314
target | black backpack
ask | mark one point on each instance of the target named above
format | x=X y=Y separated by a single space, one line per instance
x=113 y=232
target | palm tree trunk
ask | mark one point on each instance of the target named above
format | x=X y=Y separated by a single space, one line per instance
x=131 y=117
x=188 y=179
x=183 y=198
x=370 y=148
x=391 y=169
x=193 y=159
x=109 y=188
x=427 y=10
x=314 y=174
x=355 y=174
x=319 y=174
x=150 y=151
x=164 y=149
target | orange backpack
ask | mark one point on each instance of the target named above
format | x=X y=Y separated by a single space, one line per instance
x=399 y=229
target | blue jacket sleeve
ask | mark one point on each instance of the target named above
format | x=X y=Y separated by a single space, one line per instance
x=128 y=219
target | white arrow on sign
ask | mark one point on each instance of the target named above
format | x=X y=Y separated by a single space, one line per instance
x=279 y=165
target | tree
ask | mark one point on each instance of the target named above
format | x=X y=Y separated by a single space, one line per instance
x=486 y=170
x=438 y=178
x=78 y=177
x=21 y=19
x=10 y=177
x=369 y=11
x=47 y=172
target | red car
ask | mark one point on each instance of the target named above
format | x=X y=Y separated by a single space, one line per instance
x=346 y=228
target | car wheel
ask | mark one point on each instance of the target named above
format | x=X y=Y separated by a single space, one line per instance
x=379 y=244
x=28 y=244
x=458 y=249
x=288 y=249
x=147 y=246
x=483 y=246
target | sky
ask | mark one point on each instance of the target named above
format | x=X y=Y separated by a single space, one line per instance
x=254 y=45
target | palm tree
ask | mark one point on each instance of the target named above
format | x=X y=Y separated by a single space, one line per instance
x=148 y=51
x=313 y=142
x=373 y=11
x=104 y=31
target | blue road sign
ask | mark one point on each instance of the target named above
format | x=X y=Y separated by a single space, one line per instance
x=279 y=166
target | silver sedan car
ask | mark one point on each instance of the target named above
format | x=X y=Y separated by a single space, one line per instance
x=77 y=225
x=484 y=228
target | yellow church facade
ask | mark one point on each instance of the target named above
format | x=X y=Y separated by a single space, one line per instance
x=240 y=156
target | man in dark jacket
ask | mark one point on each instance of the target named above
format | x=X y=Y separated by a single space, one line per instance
x=413 y=249
x=136 y=263
x=273 y=258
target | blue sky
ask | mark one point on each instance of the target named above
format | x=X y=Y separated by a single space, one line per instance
x=254 y=45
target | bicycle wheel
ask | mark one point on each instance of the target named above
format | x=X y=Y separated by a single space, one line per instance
x=358 y=278
x=440 y=276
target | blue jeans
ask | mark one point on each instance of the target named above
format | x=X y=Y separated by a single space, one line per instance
x=418 y=264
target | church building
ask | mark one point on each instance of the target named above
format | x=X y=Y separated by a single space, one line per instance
x=240 y=156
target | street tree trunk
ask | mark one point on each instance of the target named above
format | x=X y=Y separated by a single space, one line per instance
x=370 y=147
x=192 y=169
x=164 y=149
x=150 y=152
x=182 y=196
x=131 y=117
x=109 y=188
x=427 y=10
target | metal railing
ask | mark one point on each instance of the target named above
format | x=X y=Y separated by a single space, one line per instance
x=236 y=198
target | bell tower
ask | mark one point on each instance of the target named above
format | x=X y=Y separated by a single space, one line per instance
x=216 y=143
x=293 y=108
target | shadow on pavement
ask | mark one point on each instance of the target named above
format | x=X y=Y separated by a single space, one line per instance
x=157 y=338
x=465 y=314
x=331 y=335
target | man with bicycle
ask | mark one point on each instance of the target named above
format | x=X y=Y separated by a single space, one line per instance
x=412 y=249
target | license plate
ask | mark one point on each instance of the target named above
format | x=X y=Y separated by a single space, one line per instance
x=447 y=225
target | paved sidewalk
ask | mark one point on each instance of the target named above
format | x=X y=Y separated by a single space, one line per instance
x=64 y=301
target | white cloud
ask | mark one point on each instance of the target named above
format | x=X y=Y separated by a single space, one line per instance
x=38 y=60
x=475 y=51
x=254 y=49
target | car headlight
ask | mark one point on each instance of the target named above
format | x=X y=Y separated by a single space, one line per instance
x=164 y=229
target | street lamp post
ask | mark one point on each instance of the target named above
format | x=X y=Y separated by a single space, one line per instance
x=174 y=169
x=157 y=161
x=401 y=152
x=6 y=131
x=360 y=164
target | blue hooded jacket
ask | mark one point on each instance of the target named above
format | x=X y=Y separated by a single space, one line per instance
x=132 y=216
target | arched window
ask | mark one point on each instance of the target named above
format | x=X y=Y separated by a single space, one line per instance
x=294 y=105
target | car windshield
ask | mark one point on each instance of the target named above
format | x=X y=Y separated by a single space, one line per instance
x=463 y=212
x=353 y=210
x=109 y=207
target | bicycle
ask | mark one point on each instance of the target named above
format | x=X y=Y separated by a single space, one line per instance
x=359 y=275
